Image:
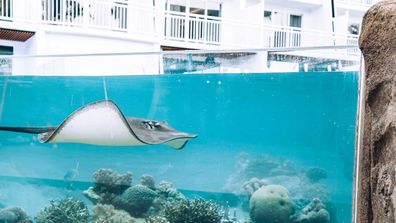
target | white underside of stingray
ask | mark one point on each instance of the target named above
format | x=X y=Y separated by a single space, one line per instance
x=102 y=123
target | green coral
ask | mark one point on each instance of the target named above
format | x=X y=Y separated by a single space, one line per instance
x=195 y=211
x=68 y=210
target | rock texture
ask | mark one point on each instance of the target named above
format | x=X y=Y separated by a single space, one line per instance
x=376 y=201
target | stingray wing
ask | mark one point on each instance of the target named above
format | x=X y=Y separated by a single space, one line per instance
x=102 y=123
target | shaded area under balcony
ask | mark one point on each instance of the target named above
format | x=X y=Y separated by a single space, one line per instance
x=15 y=35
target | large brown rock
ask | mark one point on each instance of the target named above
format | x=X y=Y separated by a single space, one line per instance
x=376 y=200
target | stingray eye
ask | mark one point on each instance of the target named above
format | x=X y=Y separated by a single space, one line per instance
x=149 y=124
x=157 y=124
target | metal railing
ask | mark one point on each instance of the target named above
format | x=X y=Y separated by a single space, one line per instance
x=192 y=28
x=366 y=3
x=138 y=17
x=286 y=36
x=6 y=9
x=92 y=13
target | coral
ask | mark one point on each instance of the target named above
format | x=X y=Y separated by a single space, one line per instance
x=157 y=219
x=257 y=166
x=315 y=174
x=271 y=204
x=108 y=181
x=195 y=211
x=314 y=212
x=108 y=214
x=92 y=195
x=167 y=191
x=166 y=196
x=253 y=185
x=13 y=215
x=136 y=200
x=108 y=185
x=300 y=187
x=148 y=181
x=68 y=210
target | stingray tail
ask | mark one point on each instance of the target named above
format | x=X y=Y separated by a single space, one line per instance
x=31 y=130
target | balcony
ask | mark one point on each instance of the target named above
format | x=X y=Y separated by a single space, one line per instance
x=192 y=28
x=165 y=27
x=358 y=5
x=96 y=16
x=292 y=37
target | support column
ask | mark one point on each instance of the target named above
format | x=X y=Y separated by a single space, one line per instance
x=376 y=195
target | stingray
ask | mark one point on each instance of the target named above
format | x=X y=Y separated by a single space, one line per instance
x=103 y=123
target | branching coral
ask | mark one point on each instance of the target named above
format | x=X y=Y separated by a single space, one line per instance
x=108 y=214
x=68 y=210
x=157 y=219
x=195 y=211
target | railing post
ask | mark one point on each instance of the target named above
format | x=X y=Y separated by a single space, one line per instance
x=187 y=22
x=85 y=11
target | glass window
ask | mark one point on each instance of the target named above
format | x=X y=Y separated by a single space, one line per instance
x=267 y=17
x=177 y=8
x=197 y=11
x=212 y=12
x=6 y=63
x=295 y=21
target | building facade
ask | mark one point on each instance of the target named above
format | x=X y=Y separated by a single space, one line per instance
x=36 y=27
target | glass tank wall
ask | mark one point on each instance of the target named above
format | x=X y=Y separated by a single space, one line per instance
x=262 y=146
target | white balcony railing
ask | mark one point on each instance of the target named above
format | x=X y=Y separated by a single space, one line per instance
x=132 y=16
x=92 y=13
x=285 y=36
x=175 y=28
x=6 y=9
x=192 y=28
x=364 y=3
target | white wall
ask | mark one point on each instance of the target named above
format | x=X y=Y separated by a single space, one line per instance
x=53 y=43
x=241 y=23
x=61 y=43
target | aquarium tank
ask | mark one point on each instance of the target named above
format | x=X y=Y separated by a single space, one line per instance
x=236 y=136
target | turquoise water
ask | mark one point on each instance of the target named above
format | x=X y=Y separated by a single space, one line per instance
x=276 y=127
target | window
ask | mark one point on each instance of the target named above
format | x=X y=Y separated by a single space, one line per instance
x=177 y=8
x=6 y=50
x=267 y=17
x=212 y=12
x=5 y=63
x=197 y=11
x=295 y=21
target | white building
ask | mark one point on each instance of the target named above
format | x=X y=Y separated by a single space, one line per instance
x=37 y=27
